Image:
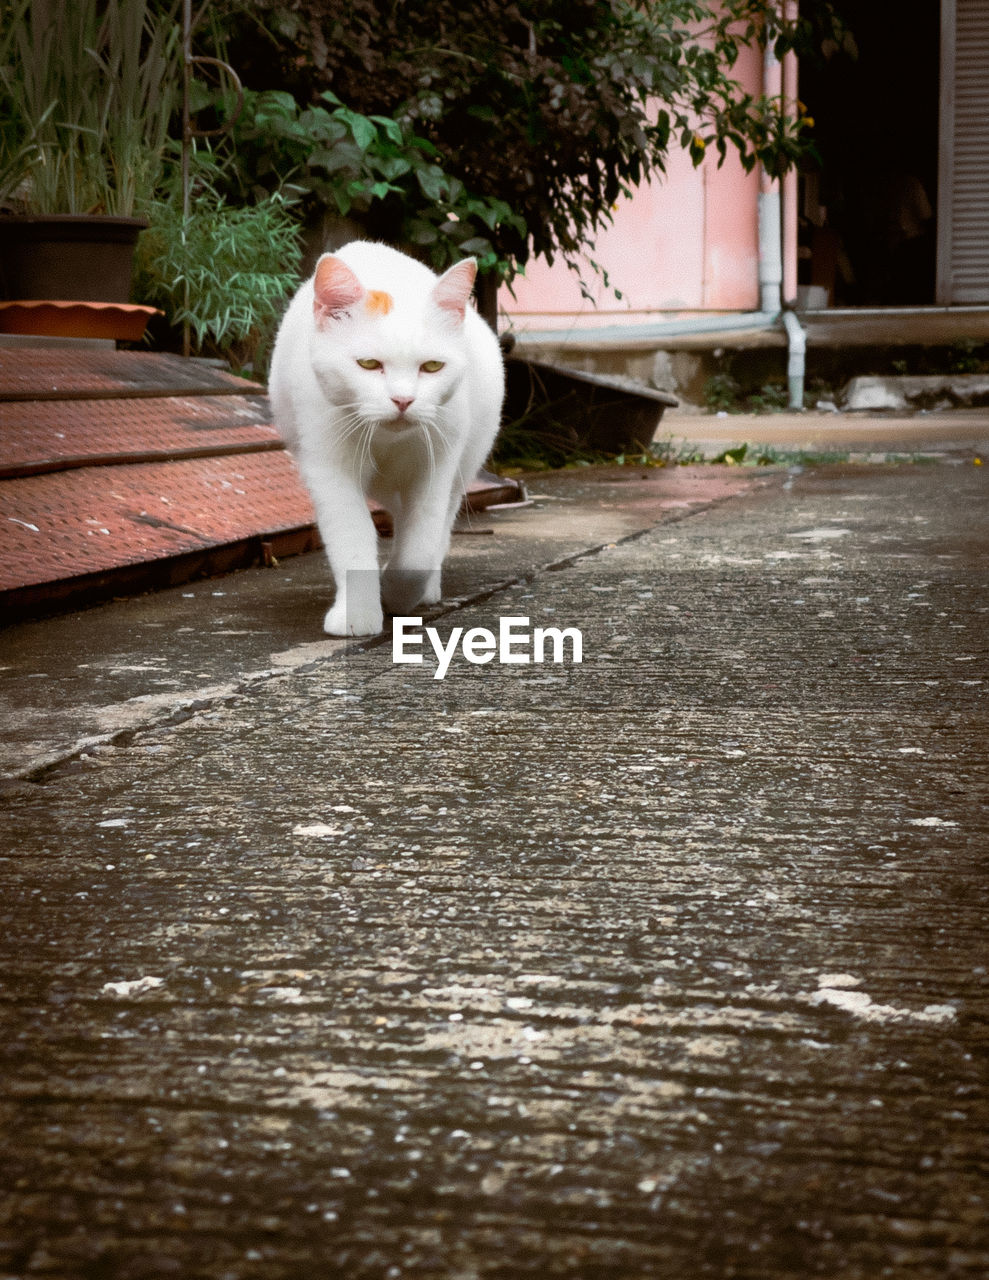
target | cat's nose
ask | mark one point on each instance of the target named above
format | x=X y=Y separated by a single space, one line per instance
x=401 y=403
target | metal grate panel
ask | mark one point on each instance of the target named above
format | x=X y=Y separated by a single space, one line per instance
x=37 y=436
x=121 y=471
x=57 y=373
x=70 y=523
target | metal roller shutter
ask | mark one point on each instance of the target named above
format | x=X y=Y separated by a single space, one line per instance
x=963 y=197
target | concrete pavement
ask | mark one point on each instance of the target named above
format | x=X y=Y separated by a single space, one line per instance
x=671 y=963
x=75 y=682
x=960 y=434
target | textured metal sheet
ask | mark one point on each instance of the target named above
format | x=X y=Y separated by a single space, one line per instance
x=964 y=197
x=970 y=203
x=128 y=470
x=38 y=436
x=95 y=520
x=56 y=373
x=72 y=523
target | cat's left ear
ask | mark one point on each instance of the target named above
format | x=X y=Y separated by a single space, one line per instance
x=335 y=288
x=453 y=289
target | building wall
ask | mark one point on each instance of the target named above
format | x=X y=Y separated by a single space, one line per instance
x=686 y=241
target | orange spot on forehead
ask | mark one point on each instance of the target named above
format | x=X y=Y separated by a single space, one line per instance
x=379 y=303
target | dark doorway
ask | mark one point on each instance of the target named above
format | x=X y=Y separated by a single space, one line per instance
x=868 y=210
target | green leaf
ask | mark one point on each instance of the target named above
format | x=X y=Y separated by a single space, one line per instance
x=733 y=457
x=363 y=131
x=486 y=212
x=421 y=232
x=278 y=99
x=319 y=124
x=392 y=167
x=343 y=156
x=200 y=96
x=432 y=181
x=392 y=128
x=423 y=144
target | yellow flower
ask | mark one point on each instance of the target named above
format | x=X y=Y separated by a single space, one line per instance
x=699 y=142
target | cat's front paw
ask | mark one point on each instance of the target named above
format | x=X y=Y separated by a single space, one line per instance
x=403 y=589
x=353 y=621
x=433 y=590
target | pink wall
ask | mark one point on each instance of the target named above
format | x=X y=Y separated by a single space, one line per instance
x=686 y=242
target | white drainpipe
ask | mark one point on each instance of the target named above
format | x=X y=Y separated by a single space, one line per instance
x=771 y=255
x=796 y=361
x=770 y=246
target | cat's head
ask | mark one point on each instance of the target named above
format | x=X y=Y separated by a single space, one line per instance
x=393 y=357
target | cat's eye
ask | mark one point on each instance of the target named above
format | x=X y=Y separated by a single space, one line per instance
x=370 y=364
x=431 y=366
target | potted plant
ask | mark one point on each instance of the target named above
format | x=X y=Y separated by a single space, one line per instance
x=87 y=92
x=227 y=274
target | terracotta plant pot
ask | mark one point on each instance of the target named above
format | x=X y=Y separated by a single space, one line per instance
x=77 y=257
x=122 y=321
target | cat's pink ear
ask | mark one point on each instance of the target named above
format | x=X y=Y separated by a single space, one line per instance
x=453 y=289
x=335 y=288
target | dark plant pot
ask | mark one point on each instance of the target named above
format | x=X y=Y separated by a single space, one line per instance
x=71 y=257
x=576 y=411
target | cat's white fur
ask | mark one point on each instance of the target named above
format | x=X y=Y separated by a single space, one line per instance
x=405 y=433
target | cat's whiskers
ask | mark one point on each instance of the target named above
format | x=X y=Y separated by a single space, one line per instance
x=357 y=425
x=352 y=417
x=366 y=449
x=445 y=434
x=440 y=435
x=432 y=455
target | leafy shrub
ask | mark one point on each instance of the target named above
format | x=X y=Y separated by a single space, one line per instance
x=557 y=108
x=227 y=274
x=772 y=397
x=369 y=167
x=721 y=393
x=88 y=91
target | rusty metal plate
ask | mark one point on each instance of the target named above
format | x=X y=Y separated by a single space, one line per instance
x=71 y=523
x=121 y=471
x=64 y=524
x=58 y=373
x=38 y=436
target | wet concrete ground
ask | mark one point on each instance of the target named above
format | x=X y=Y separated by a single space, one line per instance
x=954 y=434
x=671 y=963
x=83 y=679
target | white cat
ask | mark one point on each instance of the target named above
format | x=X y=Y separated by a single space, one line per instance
x=386 y=384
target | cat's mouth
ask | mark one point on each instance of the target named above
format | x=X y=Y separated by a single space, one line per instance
x=400 y=422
